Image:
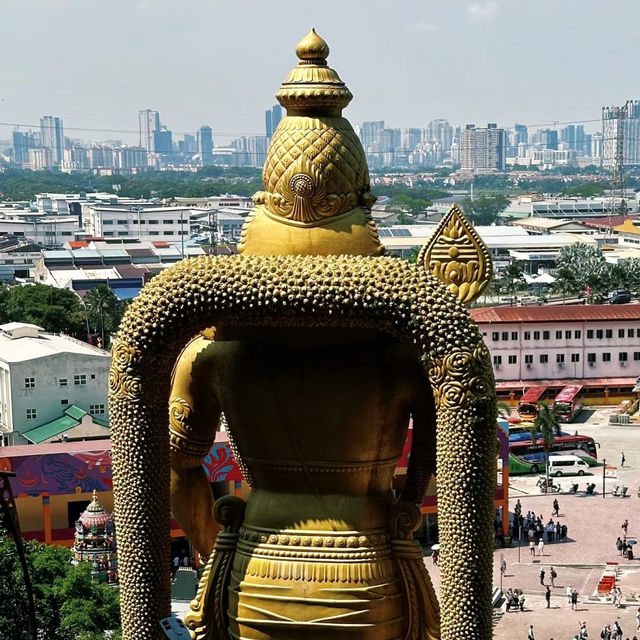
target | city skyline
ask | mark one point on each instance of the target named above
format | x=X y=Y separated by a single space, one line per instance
x=485 y=61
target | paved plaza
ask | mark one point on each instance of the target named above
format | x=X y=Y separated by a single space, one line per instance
x=593 y=524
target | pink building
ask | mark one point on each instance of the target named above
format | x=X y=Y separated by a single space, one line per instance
x=597 y=346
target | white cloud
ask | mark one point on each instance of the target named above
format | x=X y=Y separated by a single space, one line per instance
x=421 y=27
x=482 y=10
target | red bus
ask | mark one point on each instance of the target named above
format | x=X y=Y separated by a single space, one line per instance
x=528 y=405
x=568 y=403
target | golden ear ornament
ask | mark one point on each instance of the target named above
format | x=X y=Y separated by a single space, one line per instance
x=457 y=256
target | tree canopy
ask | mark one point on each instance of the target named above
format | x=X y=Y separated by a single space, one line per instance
x=69 y=605
x=484 y=209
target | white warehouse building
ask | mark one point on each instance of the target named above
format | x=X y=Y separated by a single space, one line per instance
x=41 y=375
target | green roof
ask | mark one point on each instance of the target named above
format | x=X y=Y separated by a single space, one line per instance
x=72 y=418
x=50 y=429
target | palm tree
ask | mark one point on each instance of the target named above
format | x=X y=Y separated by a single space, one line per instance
x=548 y=425
x=102 y=306
x=513 y=275
x=565 y=281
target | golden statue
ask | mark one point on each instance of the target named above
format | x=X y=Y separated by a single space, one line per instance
x=317 y=350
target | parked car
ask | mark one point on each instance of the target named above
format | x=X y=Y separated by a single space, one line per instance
x=621 y=296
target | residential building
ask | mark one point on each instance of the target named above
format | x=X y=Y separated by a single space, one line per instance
x=483 y=149
x=162 y=141
x=205 y=145
x=272 y=119
x=41 y=375
x=148 y=124
x=23 y=142
x=520 y=134
x=52 y=137
x=593 y=345
x=630 y=126
x=547 y=139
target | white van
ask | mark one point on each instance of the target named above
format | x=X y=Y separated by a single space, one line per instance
x=567 y=465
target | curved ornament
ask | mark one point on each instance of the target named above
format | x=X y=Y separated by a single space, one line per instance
x=457 y=256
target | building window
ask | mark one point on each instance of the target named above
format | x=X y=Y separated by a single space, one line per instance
x=546 y=335
x=608 y=333
x=575 y=357
x=29 y=383
x=606 y=357
x=167 y=233
x=544 y=358
x=80 y=379
x=622 y=356
x=96 y=409
x=558 y=335
x=513 y=359
x=536 y=335
x=62 y=382
x=497 y=359
x=154 y=233
x=560 y=358
x=599 y=334
x=32 y=414
x=527 y=335
x=64 y=401
x=93 y=376
x=567 y=335
x=589 y=333
x=578 y=334
x=495 y=336
x=514 y=335
x=153 y=222
x=591 y=357
x=167 y=222
x=107 y=222
x=631 y=333
x=528 y=359
x=620 y=333
x=636 y=355
x=505 y=335
x=122 y=222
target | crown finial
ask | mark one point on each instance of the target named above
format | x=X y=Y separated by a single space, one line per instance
x=313 y=49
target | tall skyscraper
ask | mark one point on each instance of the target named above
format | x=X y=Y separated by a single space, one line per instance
x=371 y=133
x=148 y=124
x=483 y=149
x=52 y=137
x=205 y=145
x=162 y=141
x=272 y=119
x=548 y=139
x=23 y=141
x=521 y=134
x=630 y=126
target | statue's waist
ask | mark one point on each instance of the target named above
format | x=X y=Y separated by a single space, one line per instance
x=323 y=476
x=318 y=510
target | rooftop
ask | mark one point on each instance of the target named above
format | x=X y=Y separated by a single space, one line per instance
x=560 y=313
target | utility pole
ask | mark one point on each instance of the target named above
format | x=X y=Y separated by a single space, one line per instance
x=604 y=468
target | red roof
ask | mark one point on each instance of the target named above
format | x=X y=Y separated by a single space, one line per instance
x=607 y=221
x=160 y=243
x=503 y=385
x=77 y=244
x=559 y=313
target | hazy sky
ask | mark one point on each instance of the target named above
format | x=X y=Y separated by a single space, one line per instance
x=406 y=62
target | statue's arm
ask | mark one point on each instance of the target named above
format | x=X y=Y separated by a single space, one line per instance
x=194 y=413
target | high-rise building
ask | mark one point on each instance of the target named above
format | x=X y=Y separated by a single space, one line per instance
x=483 y=149
x=371 y=133
x=188 y=144
x=205 y=145
x=272 y=119
x=148 y=124
x=162 y=141
x=52 y=137
x=440 y=131
x=573 y=136
x=548 y=139
x=520 y=134
x=23 y=141
x=630 y=126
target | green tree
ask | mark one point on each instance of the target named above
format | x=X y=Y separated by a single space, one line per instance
x=69 y=605
x=104 y=311
x=55 y=310
x=484 y=210
x=589 y=268
x=548 y=425
x=565 y=281
x=512 y=275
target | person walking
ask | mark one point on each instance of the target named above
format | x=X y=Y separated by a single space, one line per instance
x=556 y=508
x=554 y=575
x=541 y=547
x=625 y=526
x=638 y=619
x=542 y=577
x=619 y=545
x=530 y=635
x=547 y=596
x=574 y=600
x=583 y=630
x=605 y=634
x=617 y=630
x=622 y=459
x=532 y=548
x=569 y=594
x=503 y=567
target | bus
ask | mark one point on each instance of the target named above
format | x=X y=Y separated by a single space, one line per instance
x=526 y=457
x=568 y=403
x=528 y=405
